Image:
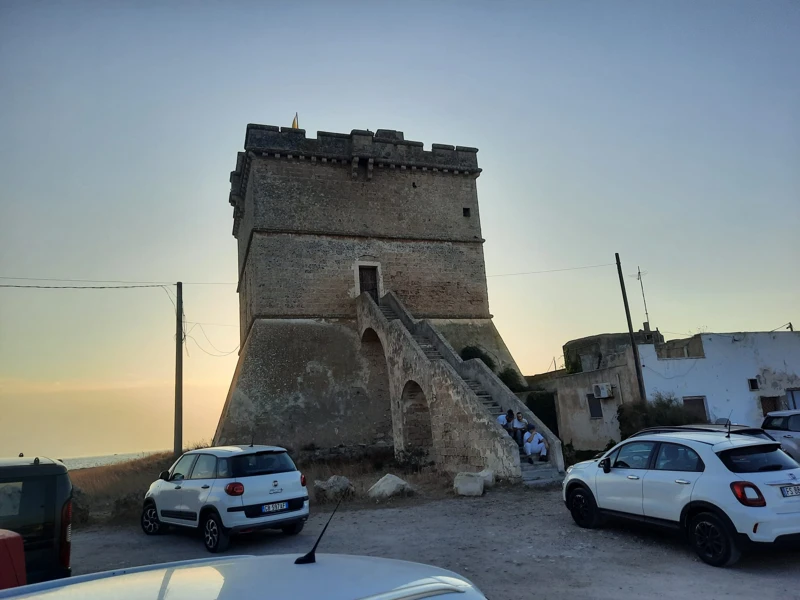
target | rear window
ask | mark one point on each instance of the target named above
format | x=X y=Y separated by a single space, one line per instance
x=261 y=463
x=757 y=459
x=28 y=507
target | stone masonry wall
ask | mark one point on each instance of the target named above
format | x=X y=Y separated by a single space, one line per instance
x=302 y=276
x=301 y=382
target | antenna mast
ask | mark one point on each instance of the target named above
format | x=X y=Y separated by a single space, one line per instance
x=641 y=283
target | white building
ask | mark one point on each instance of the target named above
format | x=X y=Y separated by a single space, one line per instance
x=740 y=376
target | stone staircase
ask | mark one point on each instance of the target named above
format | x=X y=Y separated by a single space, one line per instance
x=538 y=474
x=388 y=312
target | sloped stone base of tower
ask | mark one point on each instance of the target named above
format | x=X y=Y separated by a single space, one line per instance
x=304 y=382
x=481 y=333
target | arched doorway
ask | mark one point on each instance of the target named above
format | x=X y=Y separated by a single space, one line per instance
x=417 y=436
x=376 y=383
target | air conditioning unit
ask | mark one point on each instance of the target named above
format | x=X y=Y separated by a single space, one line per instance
x=603 y=390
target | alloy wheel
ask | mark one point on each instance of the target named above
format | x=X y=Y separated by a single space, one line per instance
x=150 y=520
x=211 y=533
x=709 y=540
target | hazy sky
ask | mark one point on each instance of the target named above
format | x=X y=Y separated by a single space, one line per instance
x=666 y=131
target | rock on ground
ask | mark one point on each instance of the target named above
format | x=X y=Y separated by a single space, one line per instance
x=390 y=485
x=468 y=484
x=334 y=488
x=488 y=478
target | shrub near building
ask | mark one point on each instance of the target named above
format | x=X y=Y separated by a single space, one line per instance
x=661 y=410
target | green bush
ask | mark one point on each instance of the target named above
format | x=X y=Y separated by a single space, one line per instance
x=470 y=352
x=513 y=381
x=661 y=410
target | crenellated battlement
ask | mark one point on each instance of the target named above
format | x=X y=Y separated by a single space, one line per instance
x=385 y=148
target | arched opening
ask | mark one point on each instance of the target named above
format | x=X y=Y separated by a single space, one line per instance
x=417 y=436
x=378 y=415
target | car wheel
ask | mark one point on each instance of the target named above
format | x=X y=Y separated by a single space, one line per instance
x=150 y=522
x=583 y=508
x=713 y=540
x=293 y=529
x=215 y=537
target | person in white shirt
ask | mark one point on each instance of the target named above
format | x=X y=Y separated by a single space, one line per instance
x=505 y=422
x=534 y=443
x=518 y=426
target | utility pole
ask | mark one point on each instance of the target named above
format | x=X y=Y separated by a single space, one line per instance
x=178 y=444
x=641 y=283
x=635 y=348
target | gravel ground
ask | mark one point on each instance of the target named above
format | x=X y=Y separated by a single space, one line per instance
x=512 y=543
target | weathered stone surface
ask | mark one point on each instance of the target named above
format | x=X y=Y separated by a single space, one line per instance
x=488 y=478
x=468 y=484
x=334 y=488
x=389 y=486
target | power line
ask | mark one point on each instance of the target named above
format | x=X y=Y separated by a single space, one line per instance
x=80 y=287
x=552 y=270
x=210 y=353
x=118 y=281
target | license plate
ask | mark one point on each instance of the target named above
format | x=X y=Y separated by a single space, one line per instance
x=790 y=490
x=276 y=506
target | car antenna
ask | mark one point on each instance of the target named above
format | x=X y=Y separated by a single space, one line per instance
x=252 y=439
x=729 y=424
x=311 y=557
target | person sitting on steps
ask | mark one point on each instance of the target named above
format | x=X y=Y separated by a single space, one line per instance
x=534 y=443
x=505 y=422
x=518 y=425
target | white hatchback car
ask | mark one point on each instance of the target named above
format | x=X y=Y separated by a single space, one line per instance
x=722 y=491
x=228 y=490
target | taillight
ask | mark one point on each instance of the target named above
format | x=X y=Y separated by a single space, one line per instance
x=748 y=494
x=234 y=489
x=302 y=480
x=66 y=534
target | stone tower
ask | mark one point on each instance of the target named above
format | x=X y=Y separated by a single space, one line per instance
x=331 y=231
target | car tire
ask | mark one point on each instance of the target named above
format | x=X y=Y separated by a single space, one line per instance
x=215 y=538
x=713 y=541
x=583 y=508
x=151 y=524
x=293 y=529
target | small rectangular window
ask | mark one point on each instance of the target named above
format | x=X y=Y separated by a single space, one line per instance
x=697 y=406
x=466 y=211
x=752 y=384
x=595 y=407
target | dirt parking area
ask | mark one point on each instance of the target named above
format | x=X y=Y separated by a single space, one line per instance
x=512 y=543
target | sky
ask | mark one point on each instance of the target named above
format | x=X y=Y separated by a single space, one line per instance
x=668 y=132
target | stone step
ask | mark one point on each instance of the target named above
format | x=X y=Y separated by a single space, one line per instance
x=536 y=466
x=555 y=480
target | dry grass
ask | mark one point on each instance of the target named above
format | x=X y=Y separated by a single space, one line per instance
x=113 y=481
x=115 y=491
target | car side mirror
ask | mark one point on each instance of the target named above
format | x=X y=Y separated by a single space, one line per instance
x=606 y=464
x=164 y=475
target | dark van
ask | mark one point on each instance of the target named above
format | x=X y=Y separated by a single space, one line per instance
x=36 y=502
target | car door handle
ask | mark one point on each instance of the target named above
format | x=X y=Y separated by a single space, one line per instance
x=787 y=436
x=682 y=481
x=633 y=477
x=177 y=487
x=205 y=487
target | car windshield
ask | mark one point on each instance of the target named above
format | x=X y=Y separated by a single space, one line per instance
x=757 y=459
x=262 y=463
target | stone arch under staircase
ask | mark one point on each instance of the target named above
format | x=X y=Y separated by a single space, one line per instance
x=460 y=400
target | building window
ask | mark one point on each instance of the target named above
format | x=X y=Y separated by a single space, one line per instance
x=696 y=405
x=752 y=384
x=466 y=211
x=769 y=404
x=595 y=407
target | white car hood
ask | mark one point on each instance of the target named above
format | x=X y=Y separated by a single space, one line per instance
x=332 y=577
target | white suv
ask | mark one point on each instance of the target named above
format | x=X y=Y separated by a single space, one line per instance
x=228 y=490
x=722 y=491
